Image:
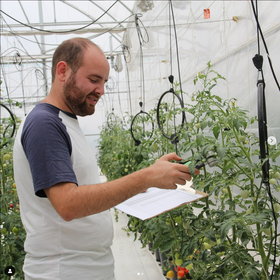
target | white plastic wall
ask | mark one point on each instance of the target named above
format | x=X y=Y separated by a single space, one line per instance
x=228 y=39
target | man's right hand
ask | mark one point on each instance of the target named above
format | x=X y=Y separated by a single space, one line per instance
x=166 y=174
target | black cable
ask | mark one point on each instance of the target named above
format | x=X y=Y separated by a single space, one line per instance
x=111 y=119
x=142 y=41
x=128 y=79
x=177 y=50
x=258 y=31
x=15 y=34
x=111 y=29
x=6 y=129
x=173 y=137
x=6 y=84
x=49 y=44
x=266 y=49
x=59 y=32
x=126 y=53
x=170 y=42
x=133 y=122
x=24 y=50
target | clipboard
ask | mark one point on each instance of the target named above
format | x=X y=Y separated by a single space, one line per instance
x=156 y=201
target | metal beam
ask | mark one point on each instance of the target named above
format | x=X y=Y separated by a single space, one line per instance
x=59 y=31
x=39 y=57
x=66 y=23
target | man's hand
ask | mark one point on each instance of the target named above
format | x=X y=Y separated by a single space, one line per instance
x=166 y=174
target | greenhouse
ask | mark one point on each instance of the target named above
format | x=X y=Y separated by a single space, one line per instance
x=140 y=140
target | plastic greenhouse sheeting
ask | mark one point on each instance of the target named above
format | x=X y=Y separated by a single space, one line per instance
x=223 y=32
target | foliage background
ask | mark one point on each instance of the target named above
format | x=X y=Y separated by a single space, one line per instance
x=12 y=230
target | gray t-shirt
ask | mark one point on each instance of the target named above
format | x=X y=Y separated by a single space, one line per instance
x=50 y=148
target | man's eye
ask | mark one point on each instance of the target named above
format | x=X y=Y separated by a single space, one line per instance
x=93 y=81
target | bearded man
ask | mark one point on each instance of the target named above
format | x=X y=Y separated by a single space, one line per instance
x=64 y=208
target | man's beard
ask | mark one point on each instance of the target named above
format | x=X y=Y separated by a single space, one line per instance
x=75 y=99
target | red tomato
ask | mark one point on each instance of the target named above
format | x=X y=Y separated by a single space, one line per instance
x=180 y=274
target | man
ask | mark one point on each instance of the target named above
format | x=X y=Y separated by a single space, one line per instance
x=64 y=208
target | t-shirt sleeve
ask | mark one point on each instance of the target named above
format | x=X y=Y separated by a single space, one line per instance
x=48 y=148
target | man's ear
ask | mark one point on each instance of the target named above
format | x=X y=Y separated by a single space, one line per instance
x=62 y=70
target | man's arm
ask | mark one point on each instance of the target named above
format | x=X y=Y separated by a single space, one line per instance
x=73 y=202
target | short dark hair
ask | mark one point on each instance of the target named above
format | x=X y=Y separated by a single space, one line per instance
x=72 y=52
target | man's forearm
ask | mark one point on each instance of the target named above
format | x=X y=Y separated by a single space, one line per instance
x=73 y=202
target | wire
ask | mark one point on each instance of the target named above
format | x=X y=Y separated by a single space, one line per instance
x=6 y=129
x=137 y=141
x=45 y=44
x=25 y=51
x=5 y=81
x=258 y=31
x=118 y=92
x=177 y=49
x=111 y=29
x=173 y=137
x=128 y=82
x=60 y=32
x=266 y=49
x=142 y=41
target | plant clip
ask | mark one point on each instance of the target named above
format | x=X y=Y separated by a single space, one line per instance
x=171 y=79
x=258 y=61
x=174 y=138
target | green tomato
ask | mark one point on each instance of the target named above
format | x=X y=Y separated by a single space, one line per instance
x=276 y=207
x=249 y=210
x=4 y=231
x=224 y=191
x=7 y=157
x=206 y=246
x=277 y=175
x=178 y=262
x=189 y=266
x=244 y=194
x=189 y=232
x=273 y=181
x=197 y=125
x=15 y=230
x=186 y=225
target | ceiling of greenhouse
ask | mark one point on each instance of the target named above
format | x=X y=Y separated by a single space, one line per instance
x=145 y=41
x=39 y=26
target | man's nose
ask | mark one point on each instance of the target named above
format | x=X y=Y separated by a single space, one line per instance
x=100 y=90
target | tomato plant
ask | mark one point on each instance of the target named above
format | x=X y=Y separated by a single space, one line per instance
x=11 y=228
x=230 y=234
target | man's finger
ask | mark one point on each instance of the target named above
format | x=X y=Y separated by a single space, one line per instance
x=170 y=157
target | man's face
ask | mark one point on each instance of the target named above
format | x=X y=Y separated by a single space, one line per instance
x=83 y=89
x=76 y=98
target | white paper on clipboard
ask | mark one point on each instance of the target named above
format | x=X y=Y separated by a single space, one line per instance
x=156 y=201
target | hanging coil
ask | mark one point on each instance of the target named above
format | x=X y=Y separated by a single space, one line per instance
x=7 y=132
x=141 y=116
